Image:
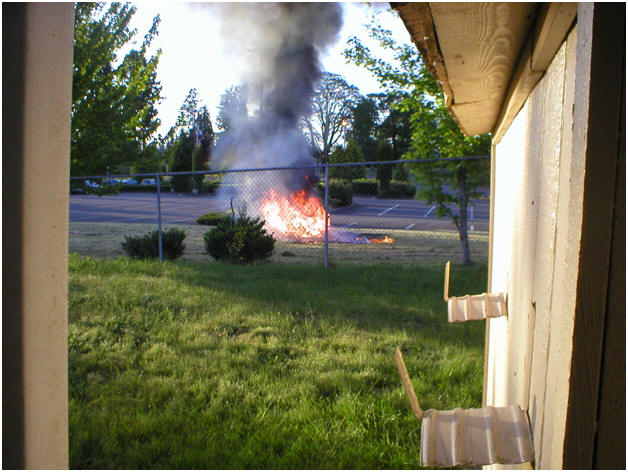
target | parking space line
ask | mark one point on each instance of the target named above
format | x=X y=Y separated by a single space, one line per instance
x=136 y=219
x=386 y=211
x=178 y=221
x=429 y=211
x=350 y=224
x=410 y=226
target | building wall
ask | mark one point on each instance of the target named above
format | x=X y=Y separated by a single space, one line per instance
x=37 y=91
x=535 y=231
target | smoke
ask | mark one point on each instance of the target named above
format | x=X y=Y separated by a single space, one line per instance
x=275 y=49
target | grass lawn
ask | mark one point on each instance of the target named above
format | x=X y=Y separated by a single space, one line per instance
x=410 y=247
x=193 y=365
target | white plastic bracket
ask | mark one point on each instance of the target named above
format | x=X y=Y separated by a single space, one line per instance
x=470 y=437
x=472 y=307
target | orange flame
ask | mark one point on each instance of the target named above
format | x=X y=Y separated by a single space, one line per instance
x=294 y=217
x=384 y=240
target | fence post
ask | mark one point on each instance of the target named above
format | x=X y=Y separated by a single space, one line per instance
x=161 y=249
x=326 y=256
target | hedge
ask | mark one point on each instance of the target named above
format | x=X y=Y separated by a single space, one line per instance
x=340 y=192
x=364 y=186
x=397 y=189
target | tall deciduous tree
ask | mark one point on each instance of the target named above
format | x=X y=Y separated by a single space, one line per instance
x=114 y=101
x=434 y=132
x=332 y=107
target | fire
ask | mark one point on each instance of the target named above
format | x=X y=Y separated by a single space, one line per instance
x=384 y=240
x=298 y=216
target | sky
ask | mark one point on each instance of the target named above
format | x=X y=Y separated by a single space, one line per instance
x=193 y=56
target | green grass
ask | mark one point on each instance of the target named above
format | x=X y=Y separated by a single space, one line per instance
x=190 y=365
x=410 y=247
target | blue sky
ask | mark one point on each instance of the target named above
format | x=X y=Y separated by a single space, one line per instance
x=192 y=52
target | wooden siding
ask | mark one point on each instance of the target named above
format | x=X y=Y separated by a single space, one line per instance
x=530 y=258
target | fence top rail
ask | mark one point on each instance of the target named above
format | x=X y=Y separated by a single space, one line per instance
x=266 y=169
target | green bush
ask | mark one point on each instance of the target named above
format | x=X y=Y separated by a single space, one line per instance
x=185 y=184
x=147 y=246
x=165 y=187
x=182 y=183
x=213 y=218
x=401 y=173
x=340 y=192
x=106 y=190
x=397 y=189
x=364 y=186
x=240 y=240
x=209 y=187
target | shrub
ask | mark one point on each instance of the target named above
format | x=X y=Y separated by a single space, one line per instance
x=106 y=190
x=340 y=192
x=397 y=189
x=364 y=186
x=182 y=183
x=240 y=240
x=147 y=246
x=212 y=219
x=401 y=173
x=209 y=187
x=185 y=184
x=165 y=187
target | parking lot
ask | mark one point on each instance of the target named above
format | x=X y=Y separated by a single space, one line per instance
x=365 y=212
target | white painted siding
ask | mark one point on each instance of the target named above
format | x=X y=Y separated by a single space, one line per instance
x=528 y=357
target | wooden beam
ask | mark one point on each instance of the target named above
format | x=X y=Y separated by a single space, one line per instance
x=600 y=76
x=554 y=22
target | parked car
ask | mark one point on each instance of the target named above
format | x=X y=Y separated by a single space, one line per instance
x=90 y=184
x=149 y=182
x=78 y=191
x=129 y=182
x=110 y=182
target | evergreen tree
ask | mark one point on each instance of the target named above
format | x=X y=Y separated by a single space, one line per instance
x=351 y=152
x=364 y=127
x=232 y=108
x=385 y=152
x=190 y=143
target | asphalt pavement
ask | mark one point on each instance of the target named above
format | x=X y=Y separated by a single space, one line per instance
x=365 y=212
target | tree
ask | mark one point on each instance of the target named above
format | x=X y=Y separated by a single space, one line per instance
x=385 y=152
x=182 y=159
x=332 y=105
x=232 y=108
x=434 y=133
x=396 y=130
x=351 y=152
x=190 y=142
x=151 y=159
x=364 y=126
x=114 y=102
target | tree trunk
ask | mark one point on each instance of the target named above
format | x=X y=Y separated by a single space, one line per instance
x=463 y=201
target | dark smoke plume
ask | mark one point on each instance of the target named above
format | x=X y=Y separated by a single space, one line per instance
x=275 y=47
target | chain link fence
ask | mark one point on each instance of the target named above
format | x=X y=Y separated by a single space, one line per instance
x=315 y=216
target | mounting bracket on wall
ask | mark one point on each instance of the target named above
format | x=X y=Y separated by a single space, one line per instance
x=473 y=307
x=470 y=437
